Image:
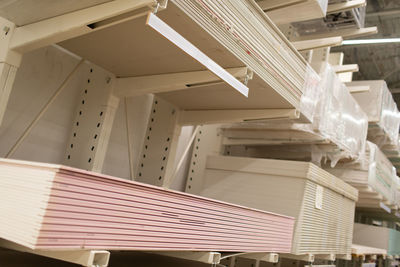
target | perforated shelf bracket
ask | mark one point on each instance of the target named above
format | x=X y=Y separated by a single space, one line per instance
x=89 y=258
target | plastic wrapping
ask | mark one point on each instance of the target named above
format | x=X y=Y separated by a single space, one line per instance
x=312 y=91
x=382 y=112
x=373 y=170
x=339 y=118
x=354 y=18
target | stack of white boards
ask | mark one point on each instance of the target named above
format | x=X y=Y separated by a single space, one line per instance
x=51 y=207
x=378 y=237
x=347 y=19
x=286 y=11
x=338 y=120
x=229 y=34
x=322 y=204
x=373 y=175
x=383 y=115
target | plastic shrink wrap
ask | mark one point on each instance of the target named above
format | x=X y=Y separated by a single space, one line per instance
x=382 y=112
x=337 y=120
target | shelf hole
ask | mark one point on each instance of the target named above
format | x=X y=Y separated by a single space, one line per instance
x=141 y=165
x=159 y=178
x=90 y=159
x=98 y=125
x=197 y=147
x=166 y=148
x=72 y=145
x=91 y=70
x=156 y=102
x=148 y=137
x=192 y=171
x=85 y=91
x=144 y=155
x=150 y=129
x=162 y=167
x=152 y=119
x=199 y=132
x=95 y=136
x=92 y=148
x=80 y=112
x=74 y=134
x=194 y=163
x=77 y=123
x=140 y=174
x=69 y=157
x=198 y=139
x=163 y=158
x=168 y=139
x=191 y=179
x=83 y=102
x=101 y=113
x=88 y=81
x=190 y=186
x=154 y=111
x=145 y=147
x=195 y=155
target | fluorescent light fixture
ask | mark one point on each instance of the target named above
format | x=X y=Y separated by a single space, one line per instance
x=371 y=41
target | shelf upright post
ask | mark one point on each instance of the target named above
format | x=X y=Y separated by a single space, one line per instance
x=9 y=63
x=94 y=117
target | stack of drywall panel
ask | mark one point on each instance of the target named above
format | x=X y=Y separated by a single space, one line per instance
x=322 y=204
x=54 y=207
x=286 y=11
x=231 y=33
x=378 y=237
x=374 y=176
x=338 y=120
x=383 y=115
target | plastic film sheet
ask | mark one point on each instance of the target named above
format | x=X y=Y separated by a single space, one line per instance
x=383 y=115
x=312 y=91
x=337 y=120
x=339 y=117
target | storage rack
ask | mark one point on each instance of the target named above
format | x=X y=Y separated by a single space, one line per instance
x=112 y=122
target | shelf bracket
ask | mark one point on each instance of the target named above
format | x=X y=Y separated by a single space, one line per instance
x=318 y=43
x=161 y=83
x=262 y=257
x=204 y=257
x=89 y=258
x=304 y=257
x=196 y=117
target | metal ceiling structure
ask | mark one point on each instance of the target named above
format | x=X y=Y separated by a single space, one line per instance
x=379 y=61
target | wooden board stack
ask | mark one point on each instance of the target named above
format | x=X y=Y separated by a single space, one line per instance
x=373 y=175
x=382 y=112
x=52 y=207
x=233 y=33
x=283 y=12
x=322 y=204
x=378 y=237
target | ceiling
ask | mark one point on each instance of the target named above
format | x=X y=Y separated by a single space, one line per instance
x=378 y=61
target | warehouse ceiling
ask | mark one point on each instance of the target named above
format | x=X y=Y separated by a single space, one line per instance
x=379 y=61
